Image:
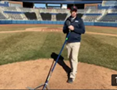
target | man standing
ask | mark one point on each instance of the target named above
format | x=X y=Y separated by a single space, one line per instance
x=76 y=26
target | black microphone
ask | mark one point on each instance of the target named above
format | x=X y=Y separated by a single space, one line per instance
x=68 y=23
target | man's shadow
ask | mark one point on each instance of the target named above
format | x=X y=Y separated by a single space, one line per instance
x=61 y=63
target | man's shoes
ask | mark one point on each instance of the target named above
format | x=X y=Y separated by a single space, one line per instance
x=70 y=80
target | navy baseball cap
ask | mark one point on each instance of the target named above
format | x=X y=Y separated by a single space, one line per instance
x=73 y=8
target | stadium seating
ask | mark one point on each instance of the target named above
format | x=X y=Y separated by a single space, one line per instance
x=114 y=10
x=10 y=8
x=111 y=3
x=91 y=17
x=61 y=10
x=2 y=16
x=96 y=11
x=25 y=9
x=81 y=11
x=90 y=13
x=14 y=16
x=109 y=18
x=90 y=7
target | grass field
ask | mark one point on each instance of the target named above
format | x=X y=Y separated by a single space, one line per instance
x=95 y=49
x=107 y=30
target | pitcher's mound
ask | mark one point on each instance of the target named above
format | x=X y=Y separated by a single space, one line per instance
x=33 y=73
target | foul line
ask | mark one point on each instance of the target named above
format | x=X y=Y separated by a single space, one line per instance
x=106 y=34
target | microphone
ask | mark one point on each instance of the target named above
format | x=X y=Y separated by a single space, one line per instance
x=68 y=23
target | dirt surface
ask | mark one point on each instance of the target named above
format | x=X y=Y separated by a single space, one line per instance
x=46 y=29
x=33 y=73
x=10 y=25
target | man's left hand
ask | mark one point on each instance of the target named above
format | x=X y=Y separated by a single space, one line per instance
x=71 y=27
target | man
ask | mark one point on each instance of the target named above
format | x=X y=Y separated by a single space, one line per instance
x=77 y=28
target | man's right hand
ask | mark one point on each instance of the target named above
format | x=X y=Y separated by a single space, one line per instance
x=71 y=27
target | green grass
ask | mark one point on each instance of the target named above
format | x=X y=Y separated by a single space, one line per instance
x=28 y=46
x=106 y=30
x=95 y=49
x=99 y=50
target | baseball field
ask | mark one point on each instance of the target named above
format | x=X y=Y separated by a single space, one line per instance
x=25 y=57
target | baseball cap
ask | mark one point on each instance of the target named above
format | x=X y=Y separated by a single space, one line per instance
x=73 y=8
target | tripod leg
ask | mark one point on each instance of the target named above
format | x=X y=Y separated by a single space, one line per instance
x=30 y=88
x=36 y=87
x=47 y=88
x=39 y=86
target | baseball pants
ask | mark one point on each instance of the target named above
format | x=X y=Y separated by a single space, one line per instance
x=73 y=51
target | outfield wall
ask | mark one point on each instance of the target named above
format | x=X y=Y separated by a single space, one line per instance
x=107 y=24
x=29 y=22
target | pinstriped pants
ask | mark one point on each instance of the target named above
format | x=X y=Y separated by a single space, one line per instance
x=73 y=51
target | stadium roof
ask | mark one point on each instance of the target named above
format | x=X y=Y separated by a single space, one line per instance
x=62 y=1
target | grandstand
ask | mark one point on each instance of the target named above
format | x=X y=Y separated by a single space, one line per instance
x=109 y=18
x=107 y=12
x=110 y=3
x=114 y=10
x=9 y=9
x=91 y=18
x=96 y=11
x=13 y=15
x=25 y=9
x=2 y=16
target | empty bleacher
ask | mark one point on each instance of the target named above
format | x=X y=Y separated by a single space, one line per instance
x=109 y=18
x=82 y=11
x=45 y=10
x=90 y=7
x=25 y=9
x=96 y=11
x=14 y=16
x=61 y=10
x=46 y=16
x=111 y=3
x=91 y=17
x=114 y=10
x=2 y=16
x=90 y=13
x=10 y=8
